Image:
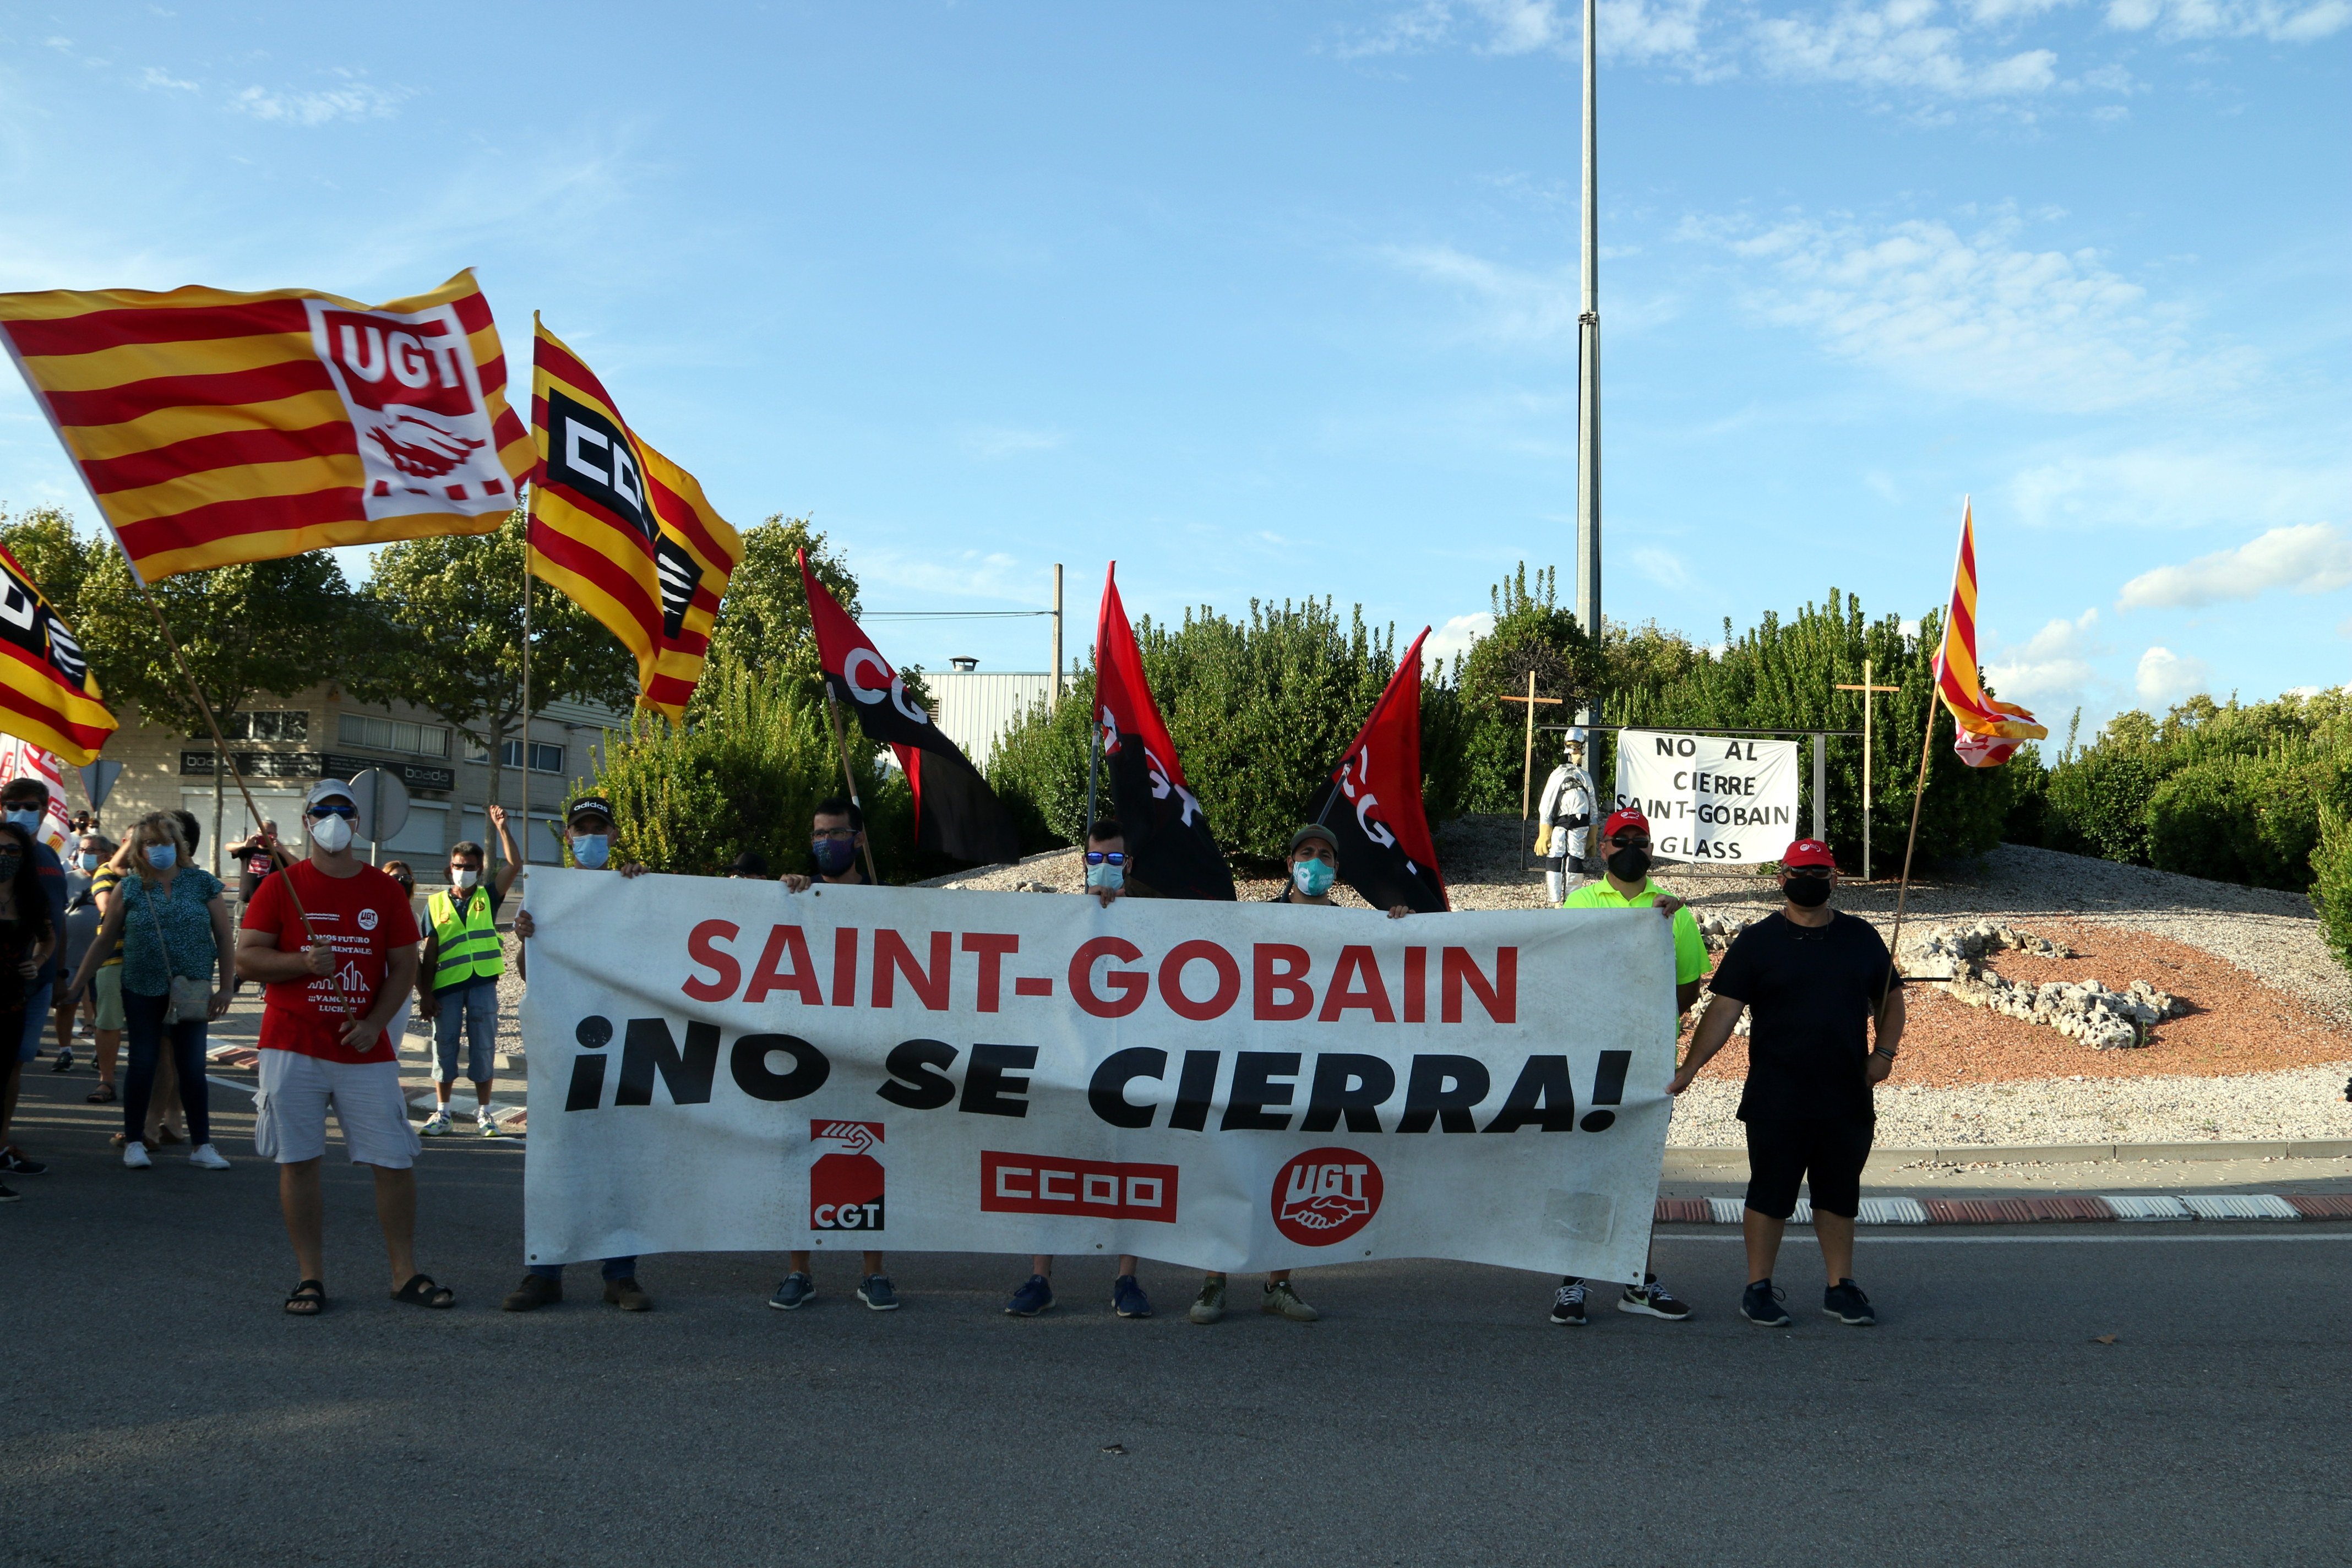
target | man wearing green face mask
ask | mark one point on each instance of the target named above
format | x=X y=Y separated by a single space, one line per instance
x=1314 y=872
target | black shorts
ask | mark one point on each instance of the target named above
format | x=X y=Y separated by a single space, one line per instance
x=1827 y=1155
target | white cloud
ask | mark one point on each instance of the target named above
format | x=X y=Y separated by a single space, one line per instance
x=2166 y=678
x=1454 y=637
x=1653 y=30
x=1662 y=567
x=156 y=79
x=352 y=101
x=2055 y=662
x=1895 y=45
x=2313 y=558
x=1525 y=307
x=2280 y=24
x=1978 y=315
x=2269 y=479
x=990 y=442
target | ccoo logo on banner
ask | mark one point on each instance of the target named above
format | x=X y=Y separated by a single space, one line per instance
x=1710 y=797
x=1223 y=1086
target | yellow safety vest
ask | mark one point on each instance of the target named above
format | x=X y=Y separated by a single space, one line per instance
x=468 y=939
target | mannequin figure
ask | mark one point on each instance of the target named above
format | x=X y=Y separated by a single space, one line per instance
x=1563 y=818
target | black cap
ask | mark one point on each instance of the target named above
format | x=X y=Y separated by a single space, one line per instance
x=595 y=803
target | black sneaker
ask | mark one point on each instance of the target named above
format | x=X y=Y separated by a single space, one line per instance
x=1568 y=1305
x=1760 y=1305
x=1846 y=1304
x=13 y=1162
x=1652 y=1299
x=7 y=1197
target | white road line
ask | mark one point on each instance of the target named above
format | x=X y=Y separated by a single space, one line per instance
x=2135 y=1239
x=252 y=1088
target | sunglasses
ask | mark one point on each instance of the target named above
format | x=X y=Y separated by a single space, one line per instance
x=348 y=812
x=1816 y=872
x=1105 y=858
x=1631 y=841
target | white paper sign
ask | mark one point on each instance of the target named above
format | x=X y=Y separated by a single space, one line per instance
x=720 y=1065
x=1710 y=797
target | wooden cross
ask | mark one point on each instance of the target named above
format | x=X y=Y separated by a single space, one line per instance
x=1869 y=694
x=1528 y=767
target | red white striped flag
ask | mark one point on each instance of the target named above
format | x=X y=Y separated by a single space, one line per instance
x=1957 y=680
x=213 y=428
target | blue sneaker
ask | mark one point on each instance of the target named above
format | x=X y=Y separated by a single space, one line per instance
x=1031 y=1299
x=876 y=1292
x=1126 y=1298
x=1760 y=1304
x=797 y=1290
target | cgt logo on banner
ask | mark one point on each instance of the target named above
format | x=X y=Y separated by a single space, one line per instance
x=1710 y=797
x=1223 y=1086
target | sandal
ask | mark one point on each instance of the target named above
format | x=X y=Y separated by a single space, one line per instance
x=420 y=1292
x=307 y=1299
x=102 y=1095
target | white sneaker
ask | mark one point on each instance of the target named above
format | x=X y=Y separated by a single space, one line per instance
x=485 y=1122
x=436 y=1125
x=207 y=1158
x=134 y=1156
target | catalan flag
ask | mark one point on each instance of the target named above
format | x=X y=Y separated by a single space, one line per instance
x=623 y=531
x=1957 y=680
x=47 y=695
x=213 y=428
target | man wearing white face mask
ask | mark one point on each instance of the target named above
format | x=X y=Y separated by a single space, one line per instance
x=458 y=983
x=333 y=988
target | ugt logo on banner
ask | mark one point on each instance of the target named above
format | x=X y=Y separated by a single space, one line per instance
x=845 y=1182
x=1326 y=1196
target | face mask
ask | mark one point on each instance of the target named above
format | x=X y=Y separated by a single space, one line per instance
x=592 y=849
x=9 y=861
x=1107 y=876
x=466 y=881
x=162 y=856
x=1629 y=865
x=833 y=856
x=1808 y=892
x=332 y=833
x=1313 y=877
x=86 y=860
x=27 y=817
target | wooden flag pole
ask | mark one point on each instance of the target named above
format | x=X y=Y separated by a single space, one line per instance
x=1869 y=693
x=1903 y=891
x=841 y=745
x=523 y=870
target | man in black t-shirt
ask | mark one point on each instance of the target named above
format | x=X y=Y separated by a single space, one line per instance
x=1816 y=983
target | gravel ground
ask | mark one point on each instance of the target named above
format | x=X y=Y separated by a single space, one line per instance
x=2278 y=990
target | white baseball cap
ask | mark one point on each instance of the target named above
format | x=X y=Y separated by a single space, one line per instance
x=329 y=789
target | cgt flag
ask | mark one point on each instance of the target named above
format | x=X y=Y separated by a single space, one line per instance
x=623 y=531
x=1957 y=682
x=955 y=811
x=213 y=428
x=1385 y=852
x=47 y=694
x=23 y=759
x=1170 y=848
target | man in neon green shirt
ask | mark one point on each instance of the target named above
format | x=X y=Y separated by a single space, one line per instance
x=1626 y=840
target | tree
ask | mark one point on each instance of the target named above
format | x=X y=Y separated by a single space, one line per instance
x=274 y=627
x=45 y=543
x=1532 y=635
x=448 y=612
x=763 y=620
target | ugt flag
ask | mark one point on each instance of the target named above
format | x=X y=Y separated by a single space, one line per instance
x=23 y=759
x=955 y=811
x=215 y=427
x=1957 y=680
x=1373 y=802
x=1170 y=848
x=623 y=531
x=46 y=691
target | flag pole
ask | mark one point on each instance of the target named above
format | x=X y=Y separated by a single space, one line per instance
x=841 y=746
x=523 y=870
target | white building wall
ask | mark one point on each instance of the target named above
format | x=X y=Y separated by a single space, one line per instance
x=973 y=708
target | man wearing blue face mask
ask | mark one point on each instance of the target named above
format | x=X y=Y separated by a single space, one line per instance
x=1314 y=872
x=836 y=835
x=25 y=803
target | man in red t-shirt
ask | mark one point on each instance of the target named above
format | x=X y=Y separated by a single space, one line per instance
x=333 y=989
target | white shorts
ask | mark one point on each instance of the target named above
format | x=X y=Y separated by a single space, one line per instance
x=290 y=1115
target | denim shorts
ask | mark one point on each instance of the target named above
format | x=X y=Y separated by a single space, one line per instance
x=474 y=1007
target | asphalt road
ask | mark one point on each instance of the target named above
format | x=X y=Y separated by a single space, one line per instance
x=161 y=1409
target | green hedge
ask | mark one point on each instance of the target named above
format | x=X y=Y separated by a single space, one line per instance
x=2331 y=888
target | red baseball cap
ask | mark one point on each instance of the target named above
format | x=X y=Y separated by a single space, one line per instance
x=1808 y=852
x=1628 y=818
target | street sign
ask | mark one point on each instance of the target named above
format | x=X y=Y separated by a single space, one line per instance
x=382 y=802
x=97 y=781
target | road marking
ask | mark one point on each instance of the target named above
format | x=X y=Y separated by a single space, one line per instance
x=2135 y=1239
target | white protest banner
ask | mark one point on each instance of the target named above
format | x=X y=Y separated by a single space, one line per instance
x=1710 y=797
x=722 y=1066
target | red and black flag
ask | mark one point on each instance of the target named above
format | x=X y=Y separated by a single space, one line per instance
x=1170 y=848
x=955 y=811
x=1373 y=802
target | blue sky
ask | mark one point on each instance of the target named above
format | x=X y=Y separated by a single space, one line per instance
x=1280 y=300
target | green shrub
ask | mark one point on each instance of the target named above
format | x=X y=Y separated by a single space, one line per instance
x=2331 y=888
x=2235 y=819
x=744 y=774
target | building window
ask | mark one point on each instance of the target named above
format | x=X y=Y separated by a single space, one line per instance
x=268 y=725
x=392 y=735
x=544 y=758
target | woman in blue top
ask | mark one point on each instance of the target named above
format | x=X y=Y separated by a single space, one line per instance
x=172 y=924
